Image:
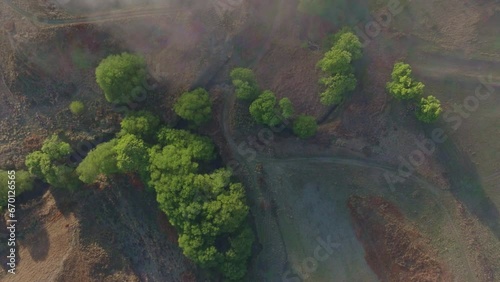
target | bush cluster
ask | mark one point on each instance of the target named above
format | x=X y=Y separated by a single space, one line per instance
x=403 y=87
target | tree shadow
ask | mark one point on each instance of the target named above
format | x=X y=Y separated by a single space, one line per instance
x=466 y=186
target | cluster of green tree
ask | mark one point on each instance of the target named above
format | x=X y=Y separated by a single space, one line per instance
x=50 y=164
x=23 y=181
x=337 y=66
x=265 y=108
x=207 y=207
x=404 y=87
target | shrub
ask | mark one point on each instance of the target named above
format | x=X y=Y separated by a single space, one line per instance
x=121 y=76
x=23 y=181
x=264 y=110
x=403 y=86
x=101 y=160
x=76 y=107
x=194 y=106
x=47 y=164
x=245 y=83
x=286 y=107
x=429 y=109
x=305 y=126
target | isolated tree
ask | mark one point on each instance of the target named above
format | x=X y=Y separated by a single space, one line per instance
x=76 y=107
x=100 y=161
x=286 y=107
x=305 y=126
x=121 y=77
x=245 y=84
x=143 y=124
x=429 y=109
x=264 y=109
x=194 y=106
x=403 y=86
x=336 y=88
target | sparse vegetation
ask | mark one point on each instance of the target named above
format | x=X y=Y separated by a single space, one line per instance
x=305 y=126
x=76 y=107
x=194 y=106
x=121 y=76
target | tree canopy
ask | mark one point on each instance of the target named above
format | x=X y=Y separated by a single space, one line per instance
x=121 y=77
x=100 y=161
x=264 y=110
x=194 y=106
x=403 y=86
x=429 y=109
x=48 y=164
x=245 y=84
x=305 y=126
x=337 y=66
x=335 y=88
x=143 y=124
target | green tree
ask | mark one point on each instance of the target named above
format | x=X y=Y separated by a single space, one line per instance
x=403 y=86
x=264 y=109
x=245 y=84
x=76 y=107
x=349 y=42
x=131 y=154
x=55 y=148
x=336 y=61
x=429 y=109
x=121 y=77
x=305 y=126
x=100 y=161
x=336 y=88
x=21 y=180
x=286 y=107
x=194 y=106
x=143 y=124
x=199 y=147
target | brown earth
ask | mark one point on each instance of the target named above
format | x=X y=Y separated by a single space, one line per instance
x=395 y=249
x=115 y=234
